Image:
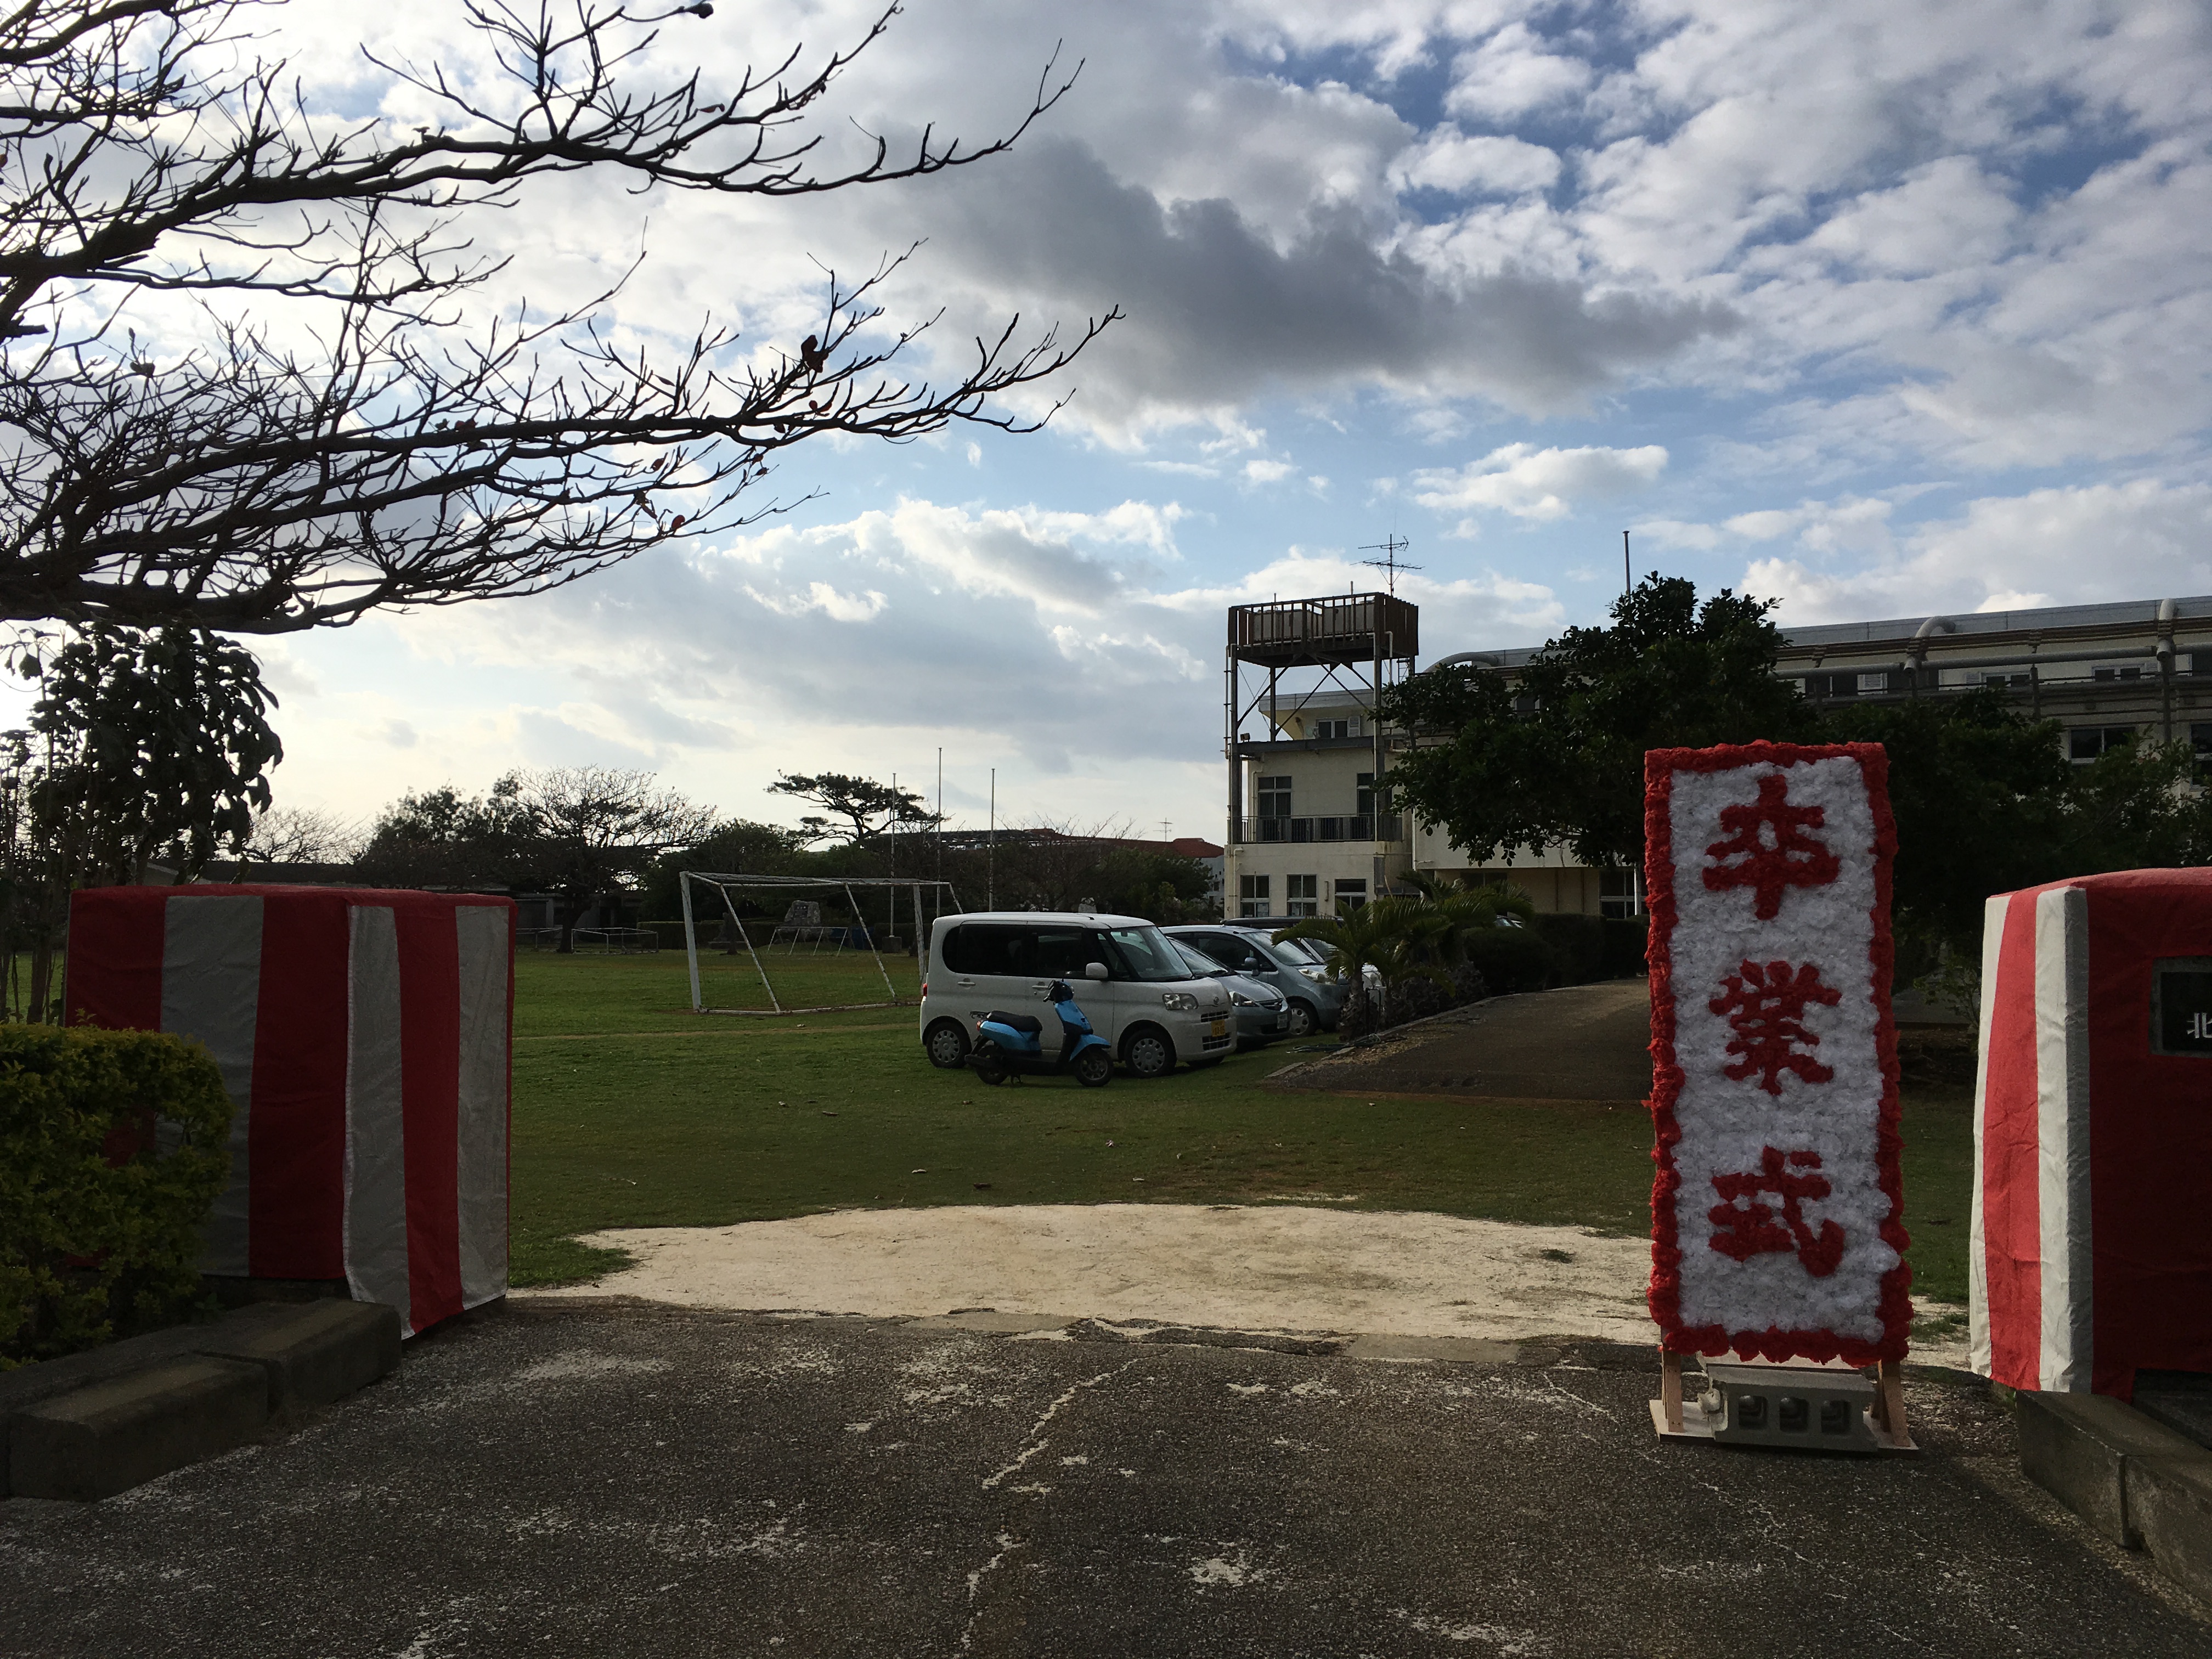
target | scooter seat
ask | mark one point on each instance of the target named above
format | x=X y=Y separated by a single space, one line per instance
x=1027 y=1024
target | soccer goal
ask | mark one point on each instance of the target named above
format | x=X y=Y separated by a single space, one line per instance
x=830 y=971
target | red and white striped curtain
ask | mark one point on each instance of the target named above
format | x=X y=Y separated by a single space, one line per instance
x=2089 y=1258
x=364 y=1037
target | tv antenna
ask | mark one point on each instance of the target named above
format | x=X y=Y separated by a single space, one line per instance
x=1389 y=564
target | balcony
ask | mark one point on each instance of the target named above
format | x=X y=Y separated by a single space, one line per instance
x=1352 y=827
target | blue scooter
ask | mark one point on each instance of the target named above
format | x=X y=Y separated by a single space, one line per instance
x=1009 y=1045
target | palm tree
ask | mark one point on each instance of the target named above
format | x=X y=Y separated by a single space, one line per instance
x=1407 y=941
x=1468 y=912
x=1396 y=937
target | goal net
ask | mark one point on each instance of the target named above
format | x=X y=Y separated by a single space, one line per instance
x=802 y=952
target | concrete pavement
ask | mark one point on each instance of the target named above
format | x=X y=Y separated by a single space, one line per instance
x=616 y=1480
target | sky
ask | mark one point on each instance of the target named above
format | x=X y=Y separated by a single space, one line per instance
x=1878 y=311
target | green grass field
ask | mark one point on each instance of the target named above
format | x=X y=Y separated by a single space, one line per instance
x=630 y=1110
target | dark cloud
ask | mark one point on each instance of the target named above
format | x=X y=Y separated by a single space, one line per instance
x=1219 y=314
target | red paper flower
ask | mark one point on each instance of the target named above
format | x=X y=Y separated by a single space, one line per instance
x=1765 y=1009
x=1792 y=859
x=1753 y=1231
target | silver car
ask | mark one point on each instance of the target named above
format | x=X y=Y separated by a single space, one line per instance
x=1315 y=998
x=1260 y=1012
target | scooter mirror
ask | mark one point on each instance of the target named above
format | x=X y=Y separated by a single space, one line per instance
x=1094 y=970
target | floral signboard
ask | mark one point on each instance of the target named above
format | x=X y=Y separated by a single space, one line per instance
x=1778 y=1215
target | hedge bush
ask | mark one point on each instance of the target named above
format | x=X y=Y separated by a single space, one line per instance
x=114 y=1145
x=1578 y=942
x=1625 y=939
x=1513 y=959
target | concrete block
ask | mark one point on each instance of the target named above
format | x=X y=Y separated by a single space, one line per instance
x=2078 y=1447
x=27 y=1385
x=108 y=1437
x=2170 y=1502
x=313 y=1352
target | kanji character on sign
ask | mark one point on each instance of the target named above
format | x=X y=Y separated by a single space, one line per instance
x=1752 y=1229
x=1765 y=1008
x=1768 y=838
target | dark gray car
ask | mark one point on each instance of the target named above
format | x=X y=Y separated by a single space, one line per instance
x=1314 y=999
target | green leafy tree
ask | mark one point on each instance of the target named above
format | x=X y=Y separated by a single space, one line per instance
x=1559 y=756
x=442 y=838
x=1986 y=802
x=157 y=742
x=143 y=746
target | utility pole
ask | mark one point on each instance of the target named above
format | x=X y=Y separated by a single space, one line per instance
x=1627 y=581
x=991 y=849
x=941 y=811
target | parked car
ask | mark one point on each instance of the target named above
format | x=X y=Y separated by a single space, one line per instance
x=1129 y=979
x=1314 y=999
x=1260 y=1013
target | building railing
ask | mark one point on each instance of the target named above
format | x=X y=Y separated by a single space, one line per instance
x=1354 y=826
x=1333 y=620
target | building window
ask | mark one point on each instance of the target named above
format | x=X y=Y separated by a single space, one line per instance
x=2133 y=671
x=1350 y=893
x=1852 y=684
x=1275 y=798
x=1621 y=893
x=2087 y=743
x=1365 y=801
x=1252 y=896
x=1303 y=893
x=2003 y=681
x=1345 y=728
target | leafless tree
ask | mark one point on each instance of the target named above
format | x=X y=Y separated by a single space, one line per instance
x=299 y=835
x=254 y=484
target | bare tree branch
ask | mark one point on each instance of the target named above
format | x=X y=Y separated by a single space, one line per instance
x=253 y=486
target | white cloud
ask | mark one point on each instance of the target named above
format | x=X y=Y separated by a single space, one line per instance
x=1535 y=483
x=2067 y=546
x=1947 y=213
x=1448 y=160
x=820 y=596
x=1860 y=524
x=1511 y=73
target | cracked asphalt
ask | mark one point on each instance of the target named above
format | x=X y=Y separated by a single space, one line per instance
x=617 y=1481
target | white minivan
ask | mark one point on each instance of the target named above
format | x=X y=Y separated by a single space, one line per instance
x=1133 y=985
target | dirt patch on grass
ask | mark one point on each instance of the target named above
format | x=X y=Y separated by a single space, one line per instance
x=1279 y=1267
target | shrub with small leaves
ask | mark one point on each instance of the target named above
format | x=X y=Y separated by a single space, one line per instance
x=113 y=1146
